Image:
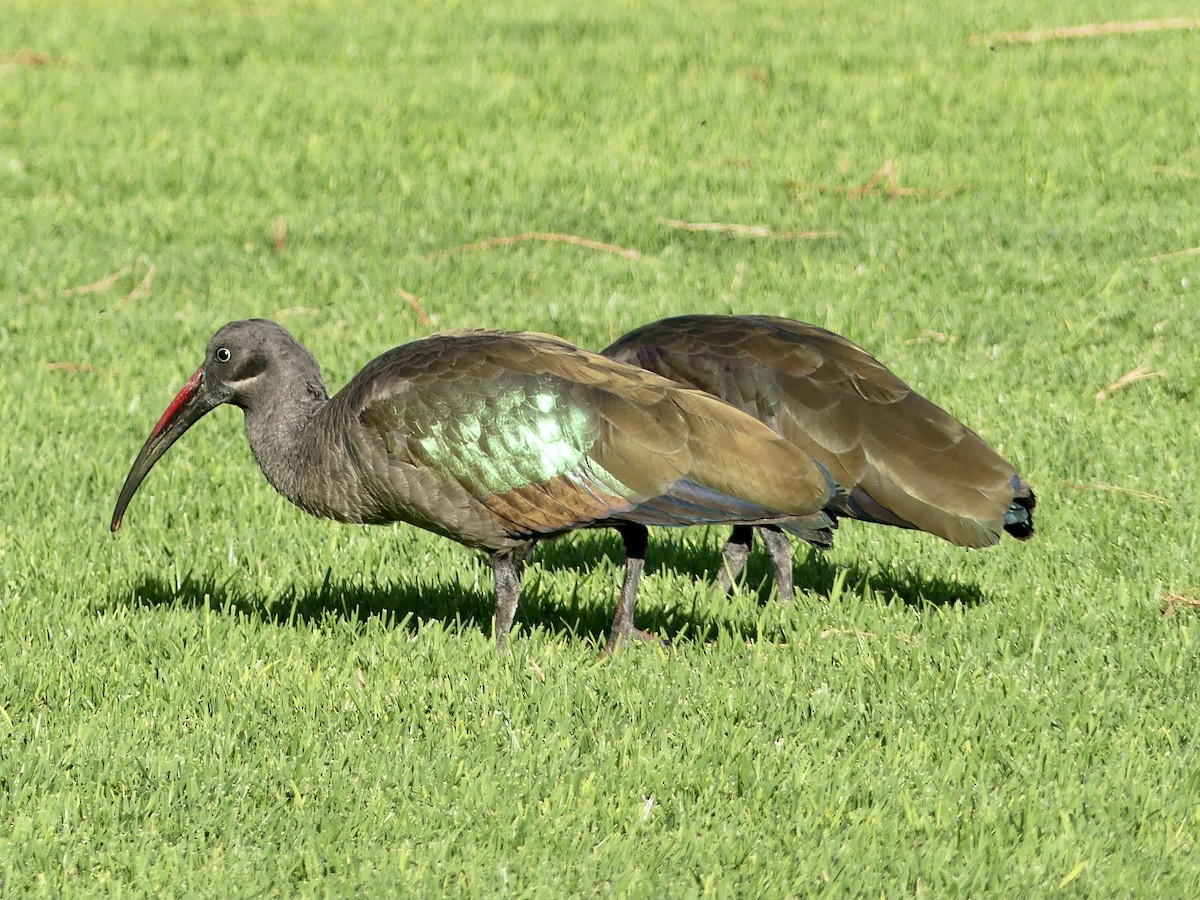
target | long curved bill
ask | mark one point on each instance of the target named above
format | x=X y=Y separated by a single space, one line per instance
x=189 y=406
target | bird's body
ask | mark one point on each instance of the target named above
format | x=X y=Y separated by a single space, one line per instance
x=496 y=439
x=900 y=459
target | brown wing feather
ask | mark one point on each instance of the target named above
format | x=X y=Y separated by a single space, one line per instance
x=918 y=464
x=721 y=446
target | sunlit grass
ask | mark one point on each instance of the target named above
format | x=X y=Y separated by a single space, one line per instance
x=231 y=699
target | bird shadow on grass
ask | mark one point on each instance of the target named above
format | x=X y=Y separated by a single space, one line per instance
x=397 y=603
x=813 y=571
x=551 y=604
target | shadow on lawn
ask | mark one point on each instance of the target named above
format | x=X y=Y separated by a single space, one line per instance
x=813 y=571
x=407 y=602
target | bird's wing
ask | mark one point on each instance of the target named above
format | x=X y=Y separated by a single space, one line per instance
x=904 y=460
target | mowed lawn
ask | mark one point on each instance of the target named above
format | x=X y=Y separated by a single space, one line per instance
x=231 y=699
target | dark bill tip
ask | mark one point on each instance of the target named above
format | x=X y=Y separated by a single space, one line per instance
x=188 y=407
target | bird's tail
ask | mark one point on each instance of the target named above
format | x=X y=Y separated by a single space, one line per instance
x=816 y=528
x=1018 y=521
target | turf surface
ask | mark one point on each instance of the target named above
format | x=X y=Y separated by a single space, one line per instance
x=230 y=699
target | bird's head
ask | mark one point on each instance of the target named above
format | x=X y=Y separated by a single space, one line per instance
x=245 y=364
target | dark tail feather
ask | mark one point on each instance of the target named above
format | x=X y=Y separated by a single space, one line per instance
x=816 y=528
x=858 y=504
x=1018 y=521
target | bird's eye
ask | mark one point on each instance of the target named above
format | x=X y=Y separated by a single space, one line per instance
x=222 y=355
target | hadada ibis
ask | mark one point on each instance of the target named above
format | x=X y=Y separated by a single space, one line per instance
x=899 y=459
x=497 y=439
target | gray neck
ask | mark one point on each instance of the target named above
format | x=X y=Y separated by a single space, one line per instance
x=294 y=451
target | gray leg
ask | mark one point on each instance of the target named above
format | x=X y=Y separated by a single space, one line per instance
x=508 y=592
x=779 y=549
x=522 y=556
x=734 y=555
x=636 y=538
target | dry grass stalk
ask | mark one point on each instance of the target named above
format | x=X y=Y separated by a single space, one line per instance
x=278 y=234
x=1191 y=251
x=413 y=301
x=929 y=336
x=883 y=182
x=27 y=58
x=756 y=74
x=1186 y=599
x=747 y=230
x=1086 y=31
x=864 y=635
x=551 y=236
x=70 y=367
x=1175 y=170
x=96 y=286
x=739 y=272
x=537 y=670
x=1117 y=489
x=836 y=632
x=143 y=289
x=1138 y=374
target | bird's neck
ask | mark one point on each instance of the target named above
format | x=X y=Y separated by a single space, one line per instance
x=296 y=453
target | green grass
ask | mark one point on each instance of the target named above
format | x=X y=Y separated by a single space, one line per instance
x=230 y=699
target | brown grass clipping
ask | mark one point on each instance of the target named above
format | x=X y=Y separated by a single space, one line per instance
x=1075 y=32
x=28 y=58
x=1118 y=489
x=142 y=289
x=1177 y=254
x=1138 y=373
x=747 y=230
x=415 y=302
x=96 y=287
x=901 y=636
x=1178 y=172
x=883 y=183
x=550 y=236
x=1187 y=599
x=277 y=234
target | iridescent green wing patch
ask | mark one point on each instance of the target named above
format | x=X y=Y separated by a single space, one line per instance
x=517 y=443
x=497 y=435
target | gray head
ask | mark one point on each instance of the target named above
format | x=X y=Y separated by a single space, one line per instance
x=251 y=364
x=247 y=362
